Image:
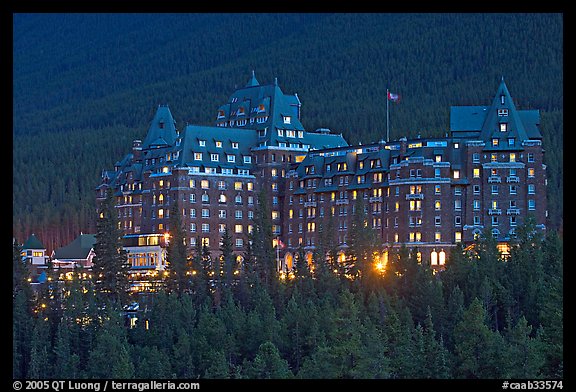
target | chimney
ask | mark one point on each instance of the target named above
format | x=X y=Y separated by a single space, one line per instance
x=136 y=150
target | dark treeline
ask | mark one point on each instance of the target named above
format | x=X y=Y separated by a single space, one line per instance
x=85 y=85
x=214 y=318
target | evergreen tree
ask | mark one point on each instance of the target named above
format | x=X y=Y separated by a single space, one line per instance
x=178 y=280
x=262 y=247
x=268 y=364
x=110 y=269
x=478 y=349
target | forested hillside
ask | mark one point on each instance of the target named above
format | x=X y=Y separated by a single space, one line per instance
x=85 y=85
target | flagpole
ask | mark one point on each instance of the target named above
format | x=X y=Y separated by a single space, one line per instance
x=387 y=118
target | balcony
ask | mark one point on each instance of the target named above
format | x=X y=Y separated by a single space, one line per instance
x=341 y=201
x=415 y=196
x=495 y=211
x=494 y=179
x=513 y=211
x=310 y=204
x=512 y=179
x=375 y=199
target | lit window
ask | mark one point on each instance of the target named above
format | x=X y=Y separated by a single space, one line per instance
x=458 y=236
x=205 y=184
x=434 y=258
x=503 y=127
x=197 y=156
x=437 y=189
x=238 y=229
x=512 y=157
x=437 y=236
x=476 y=173
x=238 y=185
x=530 y=172
x=222 y=198
x=493 y=157
x=441 y=258
x=219 y=144
x=437 y=205
x=495 y=142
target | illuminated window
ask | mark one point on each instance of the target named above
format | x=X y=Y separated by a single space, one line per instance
x=206 y=242
x=512 y=157
x=476 y=173
x=434 y=258
x=456 y=174
x=503 y=127
x=495 y=142
x=441 y=258
x=493 y=157
x=275 y=214
x=222 y=198
x=531 y=172
x=238 y=229
x=437 y=236
x=437 y=205
x=205 y=184
x=458 y=236
x=197 y=156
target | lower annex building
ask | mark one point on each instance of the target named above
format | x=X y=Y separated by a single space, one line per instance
x=429 y=194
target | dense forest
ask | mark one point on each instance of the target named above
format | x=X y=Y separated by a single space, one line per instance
x=480 y=318
x=86 y=85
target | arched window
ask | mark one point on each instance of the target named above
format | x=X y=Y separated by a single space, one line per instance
x=442 y=258
x=288 y=261
x=434 y=258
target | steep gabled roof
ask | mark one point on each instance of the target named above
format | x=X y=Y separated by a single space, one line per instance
x=483 y=122
x=79 y=249
x=33 y=243
x=491 y=126
x=162 y=130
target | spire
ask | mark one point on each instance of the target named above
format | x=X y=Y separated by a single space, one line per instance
x=252 y=82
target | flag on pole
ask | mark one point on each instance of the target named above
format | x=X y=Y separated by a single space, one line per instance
x=393 y=97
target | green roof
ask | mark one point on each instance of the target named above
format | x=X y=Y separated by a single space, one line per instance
x=77 y=249
x=162 y=130
x=483 y=122
x=33 y=243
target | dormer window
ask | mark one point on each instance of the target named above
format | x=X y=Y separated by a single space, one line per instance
x=218 y=144
x=220 y=113
x=287 y=119
x=495 y=142
x=235 y=145
x=261 y=108
x=502 y=112
x=161 y=125
x=241 y=111
x=503 y=127
x=202 y=143
x=281 y=132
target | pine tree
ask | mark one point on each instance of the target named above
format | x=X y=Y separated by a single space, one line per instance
x=110 y=269
x=268 y=364
x=178 y=279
